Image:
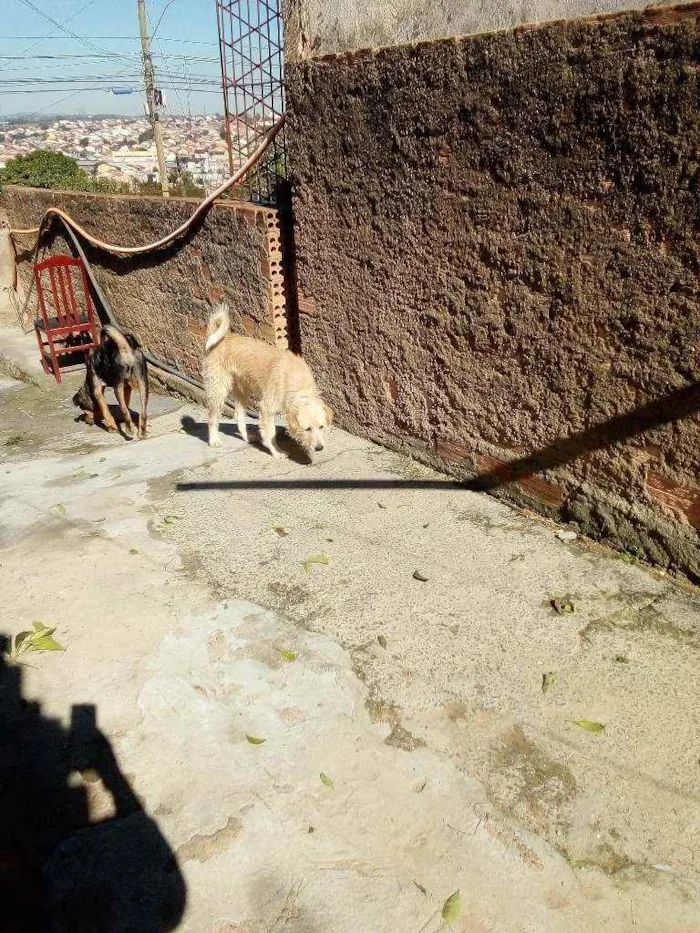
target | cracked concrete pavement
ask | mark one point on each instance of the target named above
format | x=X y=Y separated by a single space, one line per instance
x=175 y=578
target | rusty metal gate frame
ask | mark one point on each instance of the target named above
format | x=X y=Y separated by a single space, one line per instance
x=251 y=45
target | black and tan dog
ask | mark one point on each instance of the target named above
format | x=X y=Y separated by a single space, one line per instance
x=118 y=363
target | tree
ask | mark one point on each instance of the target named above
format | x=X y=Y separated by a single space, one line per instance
x=183 y=185
x=44 y=169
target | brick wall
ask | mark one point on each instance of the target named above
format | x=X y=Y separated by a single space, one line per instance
x=166 y=297
x=498 y=263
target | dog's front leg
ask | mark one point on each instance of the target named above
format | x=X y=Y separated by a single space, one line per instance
x=267 y=433
x=124 y=409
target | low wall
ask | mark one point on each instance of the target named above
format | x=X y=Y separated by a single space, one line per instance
x=321 y=27
x=498 y=264
x=165 y=298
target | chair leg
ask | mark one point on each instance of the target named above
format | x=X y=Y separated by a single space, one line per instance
x=42 y=355
x=54 y=359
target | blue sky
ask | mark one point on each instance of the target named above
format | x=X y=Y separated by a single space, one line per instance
x=76 y=80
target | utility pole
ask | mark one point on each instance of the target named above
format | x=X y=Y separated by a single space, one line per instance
x=153 y=116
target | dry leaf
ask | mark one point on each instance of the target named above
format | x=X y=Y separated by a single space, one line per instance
x=280 y=530
x=548 y=681
x=418 y=575
x=327 y=781
x=254 y=740
x=382 y=641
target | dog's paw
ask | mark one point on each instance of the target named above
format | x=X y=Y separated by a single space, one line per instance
x=215 y=442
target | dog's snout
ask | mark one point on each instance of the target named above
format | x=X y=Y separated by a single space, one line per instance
x=318 y=448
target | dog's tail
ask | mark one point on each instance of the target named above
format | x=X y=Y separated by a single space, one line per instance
x=219 y=326
x=126 y=351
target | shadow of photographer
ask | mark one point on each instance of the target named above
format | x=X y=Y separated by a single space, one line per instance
x=78 y=853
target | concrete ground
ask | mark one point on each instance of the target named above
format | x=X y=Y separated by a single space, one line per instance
x=263 y=722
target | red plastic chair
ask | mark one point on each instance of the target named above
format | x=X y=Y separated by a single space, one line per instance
x=67 y=324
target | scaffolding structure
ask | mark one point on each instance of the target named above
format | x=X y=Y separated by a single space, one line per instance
x=252 y=77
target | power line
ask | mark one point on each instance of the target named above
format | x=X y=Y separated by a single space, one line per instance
x=35 y=9
x=160 y=18
x=192 y=59
x=153 y=36
x=54 y=104
x=14 y=38
x=70 y=18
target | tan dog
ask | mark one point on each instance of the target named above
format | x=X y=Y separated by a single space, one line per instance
x=265 y=378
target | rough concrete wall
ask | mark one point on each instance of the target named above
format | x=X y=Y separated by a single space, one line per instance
x=166 y=297
x=319 y=27
x=498 y=264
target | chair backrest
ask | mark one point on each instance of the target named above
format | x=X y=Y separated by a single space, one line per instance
x=68 y=299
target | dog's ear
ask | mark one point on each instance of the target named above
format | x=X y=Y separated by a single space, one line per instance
x=292 y=421
x=329 y=413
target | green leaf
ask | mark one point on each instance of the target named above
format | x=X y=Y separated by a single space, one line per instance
x=452 y=907
x=562 y=605
x=40 y=627
x=548 y=681
x=59 y=508
x=288 y=655
x=314 y=559
x=327 y=781
x=171 y=519
x=254 y=740
x=20 y=638
x=590 y=726
x=44 y=643
x=382 y=641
